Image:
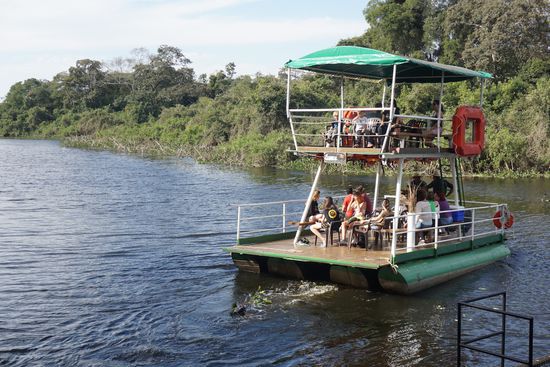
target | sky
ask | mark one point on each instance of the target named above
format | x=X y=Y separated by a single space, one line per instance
x=40 y=38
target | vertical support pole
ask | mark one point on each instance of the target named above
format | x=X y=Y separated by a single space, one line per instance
x=503 y=327
x=439 y=115
x=395 y=215
x=459 y=336
x=436 y=235
x=391 y=108
x=481 y=92
x=342 y=92
x=288 y=109
x=455 y=180
x=456 y=190
x=308 y=202
x=288 y=93
x=340 y=115
x=238 y=224
x=377 y=184
x=284 y=217
x=384 y=94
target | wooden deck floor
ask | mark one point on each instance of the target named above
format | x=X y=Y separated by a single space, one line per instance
x=332 y=254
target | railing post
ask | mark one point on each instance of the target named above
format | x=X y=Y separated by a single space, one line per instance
x=396 y=213
x=473 y=223
x=284 y=217
x=502 y=218
x=459 y=336
x=436 y=236
x=238 y=223
x=439 y=117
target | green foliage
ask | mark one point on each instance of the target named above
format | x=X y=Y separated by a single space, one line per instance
x=154 y=104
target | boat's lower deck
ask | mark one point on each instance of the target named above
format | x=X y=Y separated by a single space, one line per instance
x=354 y=256
x=416 y=268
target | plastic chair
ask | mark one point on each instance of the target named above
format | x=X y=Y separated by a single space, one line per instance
x=333 y=226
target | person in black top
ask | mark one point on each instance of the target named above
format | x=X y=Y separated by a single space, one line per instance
x=313 y=213
x=440 y=185
x=330 y=214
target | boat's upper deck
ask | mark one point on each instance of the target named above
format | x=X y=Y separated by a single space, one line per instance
x=340 y=135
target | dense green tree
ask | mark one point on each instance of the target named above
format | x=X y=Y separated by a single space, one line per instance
x=395 y=26
x=498 y=36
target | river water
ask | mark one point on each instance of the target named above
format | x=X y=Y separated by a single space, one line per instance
x=116 y=260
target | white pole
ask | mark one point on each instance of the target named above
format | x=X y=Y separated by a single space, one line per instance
x=396 y=212
x=384 y=94
x=456 y=191
x=377 y=185
x=342 y=92
x=238 y=223
x=481 y=93
x=284 y=217
x=308 y=202
x=288 y=93
x=439 y=117
x=391 y=108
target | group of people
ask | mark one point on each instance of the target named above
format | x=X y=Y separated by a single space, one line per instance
x=431 y=203
x=365 y=129
x=357 y=209
x=368 y=128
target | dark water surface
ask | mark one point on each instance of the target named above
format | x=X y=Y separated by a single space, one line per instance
x=114 y=260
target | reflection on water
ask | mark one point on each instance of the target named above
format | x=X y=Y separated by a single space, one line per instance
x=116 y=260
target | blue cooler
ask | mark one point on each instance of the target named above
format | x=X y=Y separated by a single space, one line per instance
x=458 y=216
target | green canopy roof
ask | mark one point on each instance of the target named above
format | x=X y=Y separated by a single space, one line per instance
x=362 y=62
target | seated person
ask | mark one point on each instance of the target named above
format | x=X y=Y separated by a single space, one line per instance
x=378 y=221
x=432 y=130
x=330 y=214
x=313 y=214
x=332 y=129
x=365 y=199
x=424 y=213
x=346 y=203
x=359 y=207
x=444 y=218
x=361 y=127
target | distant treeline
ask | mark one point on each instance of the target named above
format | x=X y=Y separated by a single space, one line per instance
x=156 y=104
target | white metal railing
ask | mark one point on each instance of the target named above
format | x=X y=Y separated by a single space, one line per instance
x=255 y=222
x=477 y=222
x=313 y=127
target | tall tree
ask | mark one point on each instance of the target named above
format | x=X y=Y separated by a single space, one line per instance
x=498 y=36
x=395 y=26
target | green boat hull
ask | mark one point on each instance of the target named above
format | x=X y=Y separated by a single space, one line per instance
x=414 y=276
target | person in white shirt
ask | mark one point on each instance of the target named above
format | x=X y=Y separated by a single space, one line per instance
x=424 y=213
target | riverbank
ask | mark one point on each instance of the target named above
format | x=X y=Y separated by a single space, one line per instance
x=270 y=151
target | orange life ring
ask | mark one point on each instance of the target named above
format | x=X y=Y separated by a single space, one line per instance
x=509 y=220
x=468 y=140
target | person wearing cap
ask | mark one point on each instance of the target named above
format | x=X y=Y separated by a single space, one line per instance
x=439 y=184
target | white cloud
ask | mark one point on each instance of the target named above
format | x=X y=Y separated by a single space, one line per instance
x=63 y=29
